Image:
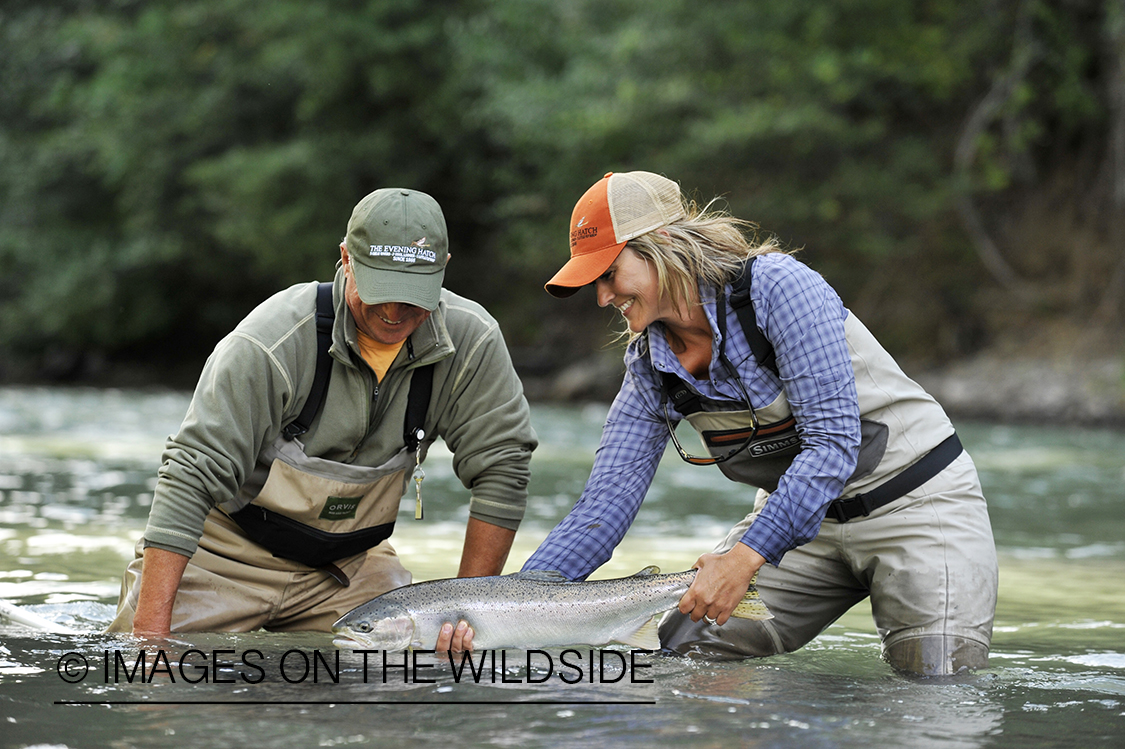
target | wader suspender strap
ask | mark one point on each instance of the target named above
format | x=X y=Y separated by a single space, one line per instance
x=325 y=315
x=744 y=308
x=421 y=382
x=421 y=385
x=682 y=397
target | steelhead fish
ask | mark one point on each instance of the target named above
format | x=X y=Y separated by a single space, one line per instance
x=525 y=610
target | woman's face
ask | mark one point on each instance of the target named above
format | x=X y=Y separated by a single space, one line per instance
x=631 y=285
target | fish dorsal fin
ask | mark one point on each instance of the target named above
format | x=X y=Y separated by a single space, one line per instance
x=652 y=569
x=645 y=638
x=751 y=606
x=543 y=576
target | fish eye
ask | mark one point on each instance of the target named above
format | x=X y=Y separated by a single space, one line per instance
x=363 y=627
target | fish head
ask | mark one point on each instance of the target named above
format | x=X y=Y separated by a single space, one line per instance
x=376 y=625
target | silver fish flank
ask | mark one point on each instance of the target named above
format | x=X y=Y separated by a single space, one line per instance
x=525 y=610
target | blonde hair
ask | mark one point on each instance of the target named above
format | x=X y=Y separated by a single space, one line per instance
x=706 y=245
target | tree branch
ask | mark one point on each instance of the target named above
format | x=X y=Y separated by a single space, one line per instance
x=1114 y=293
x=1024 y=54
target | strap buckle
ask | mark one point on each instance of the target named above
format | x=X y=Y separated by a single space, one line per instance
x=843 y=510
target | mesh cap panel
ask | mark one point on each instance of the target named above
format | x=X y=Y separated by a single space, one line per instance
x=640 y=202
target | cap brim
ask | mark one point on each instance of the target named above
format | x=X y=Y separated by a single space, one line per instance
x=582 y=270
x=380 y=286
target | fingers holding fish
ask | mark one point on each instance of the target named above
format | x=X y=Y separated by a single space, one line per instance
x=721 y=584
x=700 y=610
x=456 y=638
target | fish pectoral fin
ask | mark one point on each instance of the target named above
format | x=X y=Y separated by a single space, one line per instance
x=546 y=576
x=652 y=569
x=645 y=638
x=751 y=606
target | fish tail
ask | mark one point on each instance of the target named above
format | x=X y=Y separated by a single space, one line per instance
x=751 y=606
x=14 y=616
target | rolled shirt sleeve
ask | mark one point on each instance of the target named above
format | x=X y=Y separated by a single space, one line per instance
x=633 y=440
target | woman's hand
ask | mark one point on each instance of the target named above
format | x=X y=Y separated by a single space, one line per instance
x=722 y=581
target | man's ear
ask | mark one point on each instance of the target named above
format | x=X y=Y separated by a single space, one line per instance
x=344 y=253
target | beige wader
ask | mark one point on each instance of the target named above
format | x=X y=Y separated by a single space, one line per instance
x=926 y=559
x=235 y=584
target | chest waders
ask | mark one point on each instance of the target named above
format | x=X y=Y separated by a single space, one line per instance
x=884 y=470
x=316 y=511
x=928 y=563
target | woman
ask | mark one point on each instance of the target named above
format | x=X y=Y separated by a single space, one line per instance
x=863 y=488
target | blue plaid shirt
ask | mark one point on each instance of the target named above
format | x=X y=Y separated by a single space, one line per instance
x=803 y=317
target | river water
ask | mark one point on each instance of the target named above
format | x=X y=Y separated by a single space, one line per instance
x=76 y=474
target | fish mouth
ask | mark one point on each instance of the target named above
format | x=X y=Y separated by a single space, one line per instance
x=343 y=642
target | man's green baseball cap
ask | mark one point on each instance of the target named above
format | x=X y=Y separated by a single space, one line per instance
x=398 y=245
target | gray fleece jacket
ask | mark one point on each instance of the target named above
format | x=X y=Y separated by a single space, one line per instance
x=258 y=377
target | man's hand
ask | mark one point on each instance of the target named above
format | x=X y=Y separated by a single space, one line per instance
x=457 y=639
x=720 y=584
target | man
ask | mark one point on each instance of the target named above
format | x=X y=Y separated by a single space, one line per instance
x=258 y=523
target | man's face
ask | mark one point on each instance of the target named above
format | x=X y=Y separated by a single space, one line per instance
x=388 y=323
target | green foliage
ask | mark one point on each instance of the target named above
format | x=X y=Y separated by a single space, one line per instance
x=166 y=164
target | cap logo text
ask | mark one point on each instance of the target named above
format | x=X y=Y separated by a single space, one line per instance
x=414 y=252
x=578 y=235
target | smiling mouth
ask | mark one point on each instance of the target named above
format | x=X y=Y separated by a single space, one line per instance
x=390 y=322
x=624 y=308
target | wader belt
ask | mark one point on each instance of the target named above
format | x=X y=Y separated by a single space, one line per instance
x=928 y=466
x=302 y=543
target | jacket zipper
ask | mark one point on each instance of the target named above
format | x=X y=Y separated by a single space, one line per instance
x=373 y=400
x=372 y=403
